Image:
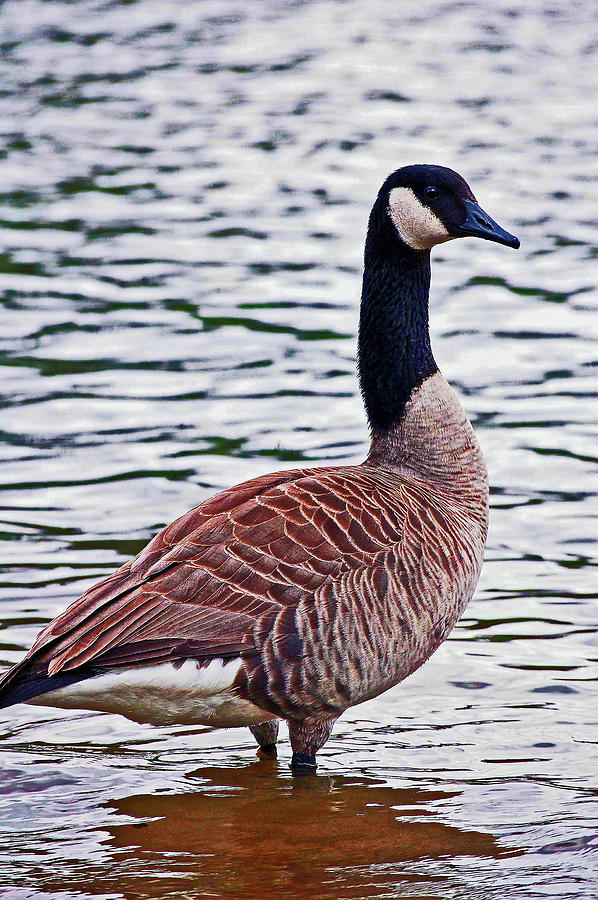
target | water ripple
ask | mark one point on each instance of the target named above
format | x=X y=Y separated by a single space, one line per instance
x=185 y=189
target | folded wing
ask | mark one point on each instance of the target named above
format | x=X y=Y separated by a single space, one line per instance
x=207 y=583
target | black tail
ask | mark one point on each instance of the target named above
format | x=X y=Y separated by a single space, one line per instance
x=17 y=689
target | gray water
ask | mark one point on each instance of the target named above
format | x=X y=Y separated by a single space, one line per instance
x=185 y=188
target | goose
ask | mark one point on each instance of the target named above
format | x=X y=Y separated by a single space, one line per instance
x=298 y=594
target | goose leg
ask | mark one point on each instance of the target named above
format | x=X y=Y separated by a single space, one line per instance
x=266 y=734
x=307 y=737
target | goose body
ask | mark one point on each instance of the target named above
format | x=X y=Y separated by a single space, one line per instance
x=299 y=594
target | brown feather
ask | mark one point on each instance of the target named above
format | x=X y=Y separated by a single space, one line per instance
x=329 y=584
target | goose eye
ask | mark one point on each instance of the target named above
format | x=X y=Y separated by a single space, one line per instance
x=431 y=192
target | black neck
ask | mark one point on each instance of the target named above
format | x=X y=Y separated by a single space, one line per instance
x=394 y=351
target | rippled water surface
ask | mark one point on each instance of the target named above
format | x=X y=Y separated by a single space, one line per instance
x=185 y=188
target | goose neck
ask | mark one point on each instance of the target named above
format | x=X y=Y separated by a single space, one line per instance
x=394 y=351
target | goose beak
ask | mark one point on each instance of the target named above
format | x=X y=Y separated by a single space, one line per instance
x=479 y=224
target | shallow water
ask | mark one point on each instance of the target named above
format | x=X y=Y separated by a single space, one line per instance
x=185 y=188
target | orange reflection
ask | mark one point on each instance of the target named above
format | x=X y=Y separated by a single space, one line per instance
x=246 y=832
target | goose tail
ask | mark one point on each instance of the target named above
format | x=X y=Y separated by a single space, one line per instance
x=19 y=684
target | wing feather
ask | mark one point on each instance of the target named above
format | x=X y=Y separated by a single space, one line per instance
x=216 y=577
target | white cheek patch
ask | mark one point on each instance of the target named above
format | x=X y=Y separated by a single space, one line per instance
x=417 y=225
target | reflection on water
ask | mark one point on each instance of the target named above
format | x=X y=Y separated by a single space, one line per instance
x=247 y=832
x=184 y=191
x=328 y=836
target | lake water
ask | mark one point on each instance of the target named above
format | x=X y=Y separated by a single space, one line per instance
x=185 y=188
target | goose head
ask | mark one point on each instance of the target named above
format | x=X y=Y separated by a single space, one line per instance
x=428 y=205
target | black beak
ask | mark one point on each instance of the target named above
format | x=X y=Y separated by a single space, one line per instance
x=479 y=224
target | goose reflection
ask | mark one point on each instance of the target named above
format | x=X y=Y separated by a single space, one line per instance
x=245 y=832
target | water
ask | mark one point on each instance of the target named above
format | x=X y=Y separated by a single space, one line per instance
x=184 y=189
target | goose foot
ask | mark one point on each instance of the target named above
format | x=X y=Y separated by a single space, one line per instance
x=267 y=751
x=307 y=737
x=266 y=734
x=304 y=764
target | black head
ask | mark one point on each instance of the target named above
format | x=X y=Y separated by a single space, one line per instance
x=427 y=205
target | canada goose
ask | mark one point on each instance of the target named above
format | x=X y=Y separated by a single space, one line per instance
x=298 y=594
